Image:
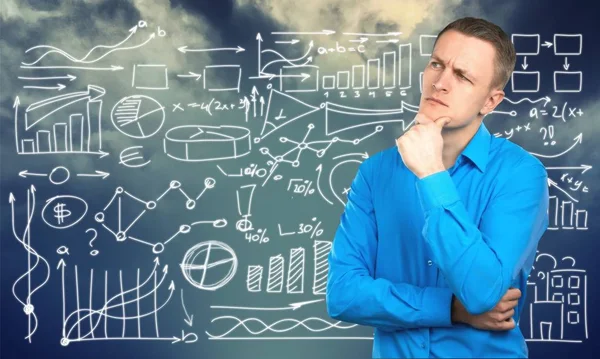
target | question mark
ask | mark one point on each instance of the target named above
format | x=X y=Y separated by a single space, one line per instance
x=93 y=252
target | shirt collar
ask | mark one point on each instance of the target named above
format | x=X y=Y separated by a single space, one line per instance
x=477 y=149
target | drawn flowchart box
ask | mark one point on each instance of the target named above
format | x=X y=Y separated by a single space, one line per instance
x=568 y=81
x=525 y=81
x=568 y=44
x=299 y=78
x=426 y=44
x=526 y=44
x=222 y=77
x=150 y=77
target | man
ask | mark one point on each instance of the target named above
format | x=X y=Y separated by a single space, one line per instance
x=439 y=232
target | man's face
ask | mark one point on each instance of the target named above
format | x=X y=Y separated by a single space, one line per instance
x=459 y=74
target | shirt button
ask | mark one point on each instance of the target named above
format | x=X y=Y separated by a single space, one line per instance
x=429 y=262
x=423 y=345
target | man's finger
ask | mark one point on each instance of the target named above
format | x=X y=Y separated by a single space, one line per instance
x=511 y=294
x=442 y=121
x=421 y=119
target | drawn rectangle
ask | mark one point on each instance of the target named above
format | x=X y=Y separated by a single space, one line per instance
x=60 y=137
x=299 y=78
x=404 y=65
x=222 y=77
x=343 y=80
x=43 y=141
x=526 y=44
x=389 y=70
x=76 y=132
x=568 y=44
x=568 y=81
x=373 y=70
x=358 y=74
x=525 y=81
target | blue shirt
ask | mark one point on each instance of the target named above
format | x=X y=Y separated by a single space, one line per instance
x=404 y=245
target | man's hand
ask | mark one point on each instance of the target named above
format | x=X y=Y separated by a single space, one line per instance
x=498 y=319
x=421 y=146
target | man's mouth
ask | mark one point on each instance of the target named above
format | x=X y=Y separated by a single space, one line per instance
x=436 y=101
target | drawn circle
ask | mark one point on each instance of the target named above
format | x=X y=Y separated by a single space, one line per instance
x=256 y=139
x=151 y=205
x=209 y=182
x=120 y=236
x=131 y=154
x=138 y=116
x=62 y=250
x=28 y=309
x=64 y=342
x=65 y=173
x=277 y=177
x=343 y=172
x=65 y=211
x=174 y=184
x=158 y=248
x=220 y=223
x=184 y=228
x=99 y=217
x=296 y=163
x=264 y=150
x=119 y=189
x=190 y=204
x=269 y=86
x=283 y=139
x=203 y=265
x=379 y=128
x=243 y=225
x=94 y=252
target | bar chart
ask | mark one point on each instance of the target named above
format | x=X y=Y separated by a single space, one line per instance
x=293 y=276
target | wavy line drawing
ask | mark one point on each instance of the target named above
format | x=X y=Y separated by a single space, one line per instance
x=83 y=60
x=296 y=323
x=25 y=240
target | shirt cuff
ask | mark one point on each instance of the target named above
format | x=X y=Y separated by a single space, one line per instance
x=437 y=306
x=436 y=190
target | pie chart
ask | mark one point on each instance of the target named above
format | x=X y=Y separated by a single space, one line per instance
x=138 y=116
x=209 y=265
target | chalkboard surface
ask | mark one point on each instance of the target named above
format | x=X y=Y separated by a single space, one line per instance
x=173 y=173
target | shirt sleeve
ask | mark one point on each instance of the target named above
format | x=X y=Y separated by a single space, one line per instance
x=354 y=296
x=480 y=262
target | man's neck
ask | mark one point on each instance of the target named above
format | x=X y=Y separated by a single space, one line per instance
x=455 y=141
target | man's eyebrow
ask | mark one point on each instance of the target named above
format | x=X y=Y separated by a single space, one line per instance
x=459 y=70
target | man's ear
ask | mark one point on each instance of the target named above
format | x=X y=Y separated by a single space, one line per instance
x=494 y=99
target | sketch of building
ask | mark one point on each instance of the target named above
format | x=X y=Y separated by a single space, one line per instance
x=556 y=308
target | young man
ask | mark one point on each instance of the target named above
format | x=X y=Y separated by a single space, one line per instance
x=439 y=232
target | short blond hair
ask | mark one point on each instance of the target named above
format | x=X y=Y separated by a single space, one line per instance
x=506 y=56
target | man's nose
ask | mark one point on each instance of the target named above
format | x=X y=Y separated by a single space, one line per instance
x=442 y=81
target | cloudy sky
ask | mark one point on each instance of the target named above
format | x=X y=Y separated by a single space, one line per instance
x=130 y=34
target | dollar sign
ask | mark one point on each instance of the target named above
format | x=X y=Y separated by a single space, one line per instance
x=61 y=213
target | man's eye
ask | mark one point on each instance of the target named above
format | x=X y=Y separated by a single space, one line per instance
x=433 y=63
